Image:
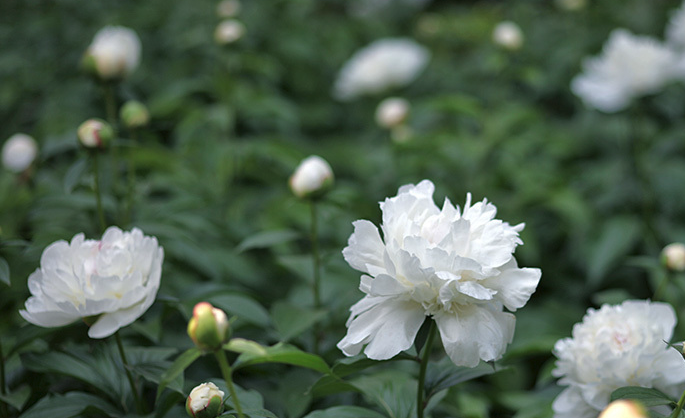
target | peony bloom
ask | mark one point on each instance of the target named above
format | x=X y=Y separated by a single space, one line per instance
x=392 y=112
x=630 y=66
x=454 y=265
x=108 y=283
x=115 y=52
x=508 y=35
x=205 y=401
x=311 y=178
x=673 y=256
x=19 y=152
x=384 y=64
x=613 y=347
x=228 y=31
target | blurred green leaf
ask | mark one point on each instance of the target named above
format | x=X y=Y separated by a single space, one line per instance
x=74 y=174
x=647 y=396
x=242 y=306
x=177 y=367
x=18 y=397
x=282 y=353
x=444 y=374
x=616 y=239
x=5 y=272
x=291 y=320
x=69 y=405
x=345 y=412
x=267 y=239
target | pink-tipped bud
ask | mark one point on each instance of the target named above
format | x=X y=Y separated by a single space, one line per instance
x=95 y=133
x=208 y=328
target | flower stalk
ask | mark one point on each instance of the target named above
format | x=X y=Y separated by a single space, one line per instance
x=316 y=261
x=420 y=400
x=227 y=373
x=98 y=193
x=140 y=407
x=3 y=406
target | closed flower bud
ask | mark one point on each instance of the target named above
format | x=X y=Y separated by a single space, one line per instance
x=208 y=328
x=228 y=31
x=312 y=178
x=392 y=112
x=95 y=133
x=134 y=114
x=624 y=408
x=508 y=35
x=228 y=8
x=205 y=401
x=113 y=54
x=673 y=256
x=19 y=152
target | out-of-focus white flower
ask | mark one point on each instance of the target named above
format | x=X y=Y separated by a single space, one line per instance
x=454 y=265
x=571 y=5
x=613 y=347
x=312 y=177
x=108 y=283
x=228 y=31
x=673 y=256
x=384 y=64
x=391 y=112
x=508 y=35
x=115 y=52
x=228 y=8
x=95 y=133
x=19 y=152
x=630 y=66
x=624 y=408
x=205 y=401
x=675 y=29
x=208 y=328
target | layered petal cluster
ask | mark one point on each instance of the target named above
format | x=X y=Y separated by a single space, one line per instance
x=112 y=281
x=613 y=347
x=115 y=51
x=630 y=66
x=454 y=265
x=384 y=64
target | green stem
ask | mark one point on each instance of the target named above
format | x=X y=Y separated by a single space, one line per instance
x=316 y=282
x=131 y=182
x=140 y=407
x=226 y=371
x=679 y=407
x=661 y=287
x=98 y=196
x=420 y=402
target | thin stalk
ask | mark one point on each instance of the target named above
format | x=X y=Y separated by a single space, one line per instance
x=420 y=402
x=98 y=196
x=661 y=287
x=140 y=407
x=679 y=407
x=111 y=112
x=226 y=371
x=316 y=282
x=3 y=406
x=131 y=181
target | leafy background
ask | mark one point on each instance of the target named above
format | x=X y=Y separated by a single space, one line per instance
x=600 y=194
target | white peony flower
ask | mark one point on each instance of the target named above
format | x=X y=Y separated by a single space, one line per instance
x=454 y=265
x=392 y=112
x=613 y=347
x=111 y=282
x=229 y=31
x=630 y=66
x=312 y=177
x=675 y=30
x=508 y=35
x=115 y=51
x=386 y=63
x=18 y=152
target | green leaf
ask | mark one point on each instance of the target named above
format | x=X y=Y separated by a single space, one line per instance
x=345 y=412
x=290 y=320
x=616 y=239
x=153 y=372
x=65 y=364
x=18 y=397
x=647 y=396
x=241 y=345
x=74 y=174
x=242 y=306
x=177 y=367
x=281 y=353
x=444 y=374
x=5 y=272
x=69 y=405
x=267 y=239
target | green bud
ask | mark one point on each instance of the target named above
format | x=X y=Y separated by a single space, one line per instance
x=134 y=114
x=208 y=328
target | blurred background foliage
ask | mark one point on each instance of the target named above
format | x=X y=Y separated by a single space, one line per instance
x=600 y=194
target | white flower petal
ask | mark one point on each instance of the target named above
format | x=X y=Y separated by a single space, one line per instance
x=514 y=285
x=365 y=247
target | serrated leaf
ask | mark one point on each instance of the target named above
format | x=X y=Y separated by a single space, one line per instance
x=5 y=272
x=345 y=412
x=243 y=307
x=177 y=367
x=74 y=174
x=290 y=321
x=647 y=396
x=68 y=406
x=282 y=353
x=267 y=239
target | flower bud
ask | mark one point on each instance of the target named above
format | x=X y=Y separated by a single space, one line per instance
x=205 y=401
x=228 y=31
x=113 y=54
x=134 y=114
x=228 y=8
x=19 y=152
x=508 y=35
x=95 y=133
x=208 y=328
x=624 y=408
x=673 y=256
x=392 y=112
x=312 y=178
